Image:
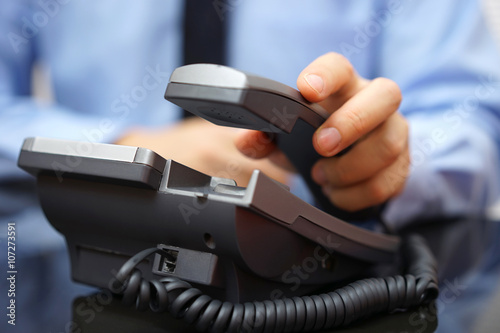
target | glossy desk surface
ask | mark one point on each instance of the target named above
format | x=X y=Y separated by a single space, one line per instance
x=112 y=316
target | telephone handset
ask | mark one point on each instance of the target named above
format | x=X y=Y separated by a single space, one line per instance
x=229 y=97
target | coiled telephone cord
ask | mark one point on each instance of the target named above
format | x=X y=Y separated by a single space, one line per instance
x=340 y=307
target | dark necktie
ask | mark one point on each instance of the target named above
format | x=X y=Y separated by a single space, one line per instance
x=204 y=34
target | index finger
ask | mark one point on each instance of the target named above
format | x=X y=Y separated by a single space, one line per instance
x=358 y=116
x=331 y=80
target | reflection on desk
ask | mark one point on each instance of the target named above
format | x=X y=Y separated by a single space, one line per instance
x=102 y=313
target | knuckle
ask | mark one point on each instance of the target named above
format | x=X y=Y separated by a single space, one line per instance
x=398 y=186
x=346 y=64
x=378 y=191
x=349 y=207
x=356 y=120
x=402 y=124
x=390 y=88
x=405 y=131
x=404 y=173
x=342 y=61
x=391 y=148
x=334 y=56
x=399 y=189
x=339 y=199
x=205 y=153
x=341 y=176
x=207 y=158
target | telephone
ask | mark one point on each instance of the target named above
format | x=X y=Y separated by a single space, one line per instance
x=221 y=256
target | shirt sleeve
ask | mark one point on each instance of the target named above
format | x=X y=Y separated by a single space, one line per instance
x=20 y=114
x=449 y=72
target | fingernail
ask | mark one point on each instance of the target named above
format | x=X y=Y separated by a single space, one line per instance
x=319 y=175
x=328 y=139
x=316 y=82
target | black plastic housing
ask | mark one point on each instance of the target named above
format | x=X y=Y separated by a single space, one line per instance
x=236 y=243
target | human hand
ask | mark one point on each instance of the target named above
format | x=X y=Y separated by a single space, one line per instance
x=363 y=115
x=203 y=146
